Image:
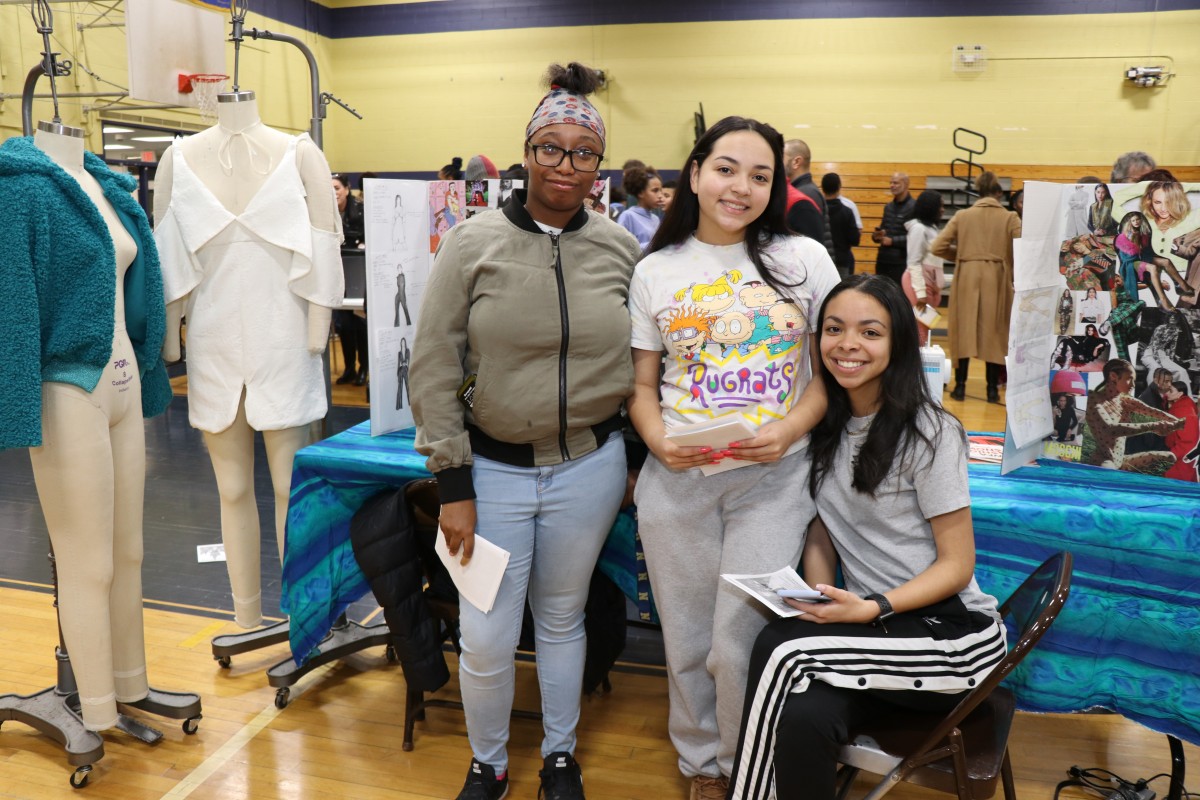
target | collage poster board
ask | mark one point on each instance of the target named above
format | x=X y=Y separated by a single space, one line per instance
x=405 y=221
x=1107 y=285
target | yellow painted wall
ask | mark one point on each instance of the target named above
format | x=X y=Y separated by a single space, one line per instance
x=276 y=71
x=856 y=90
x=877 y=90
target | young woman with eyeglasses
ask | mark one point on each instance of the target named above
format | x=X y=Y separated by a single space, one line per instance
x=519 y=369
x=724 y=301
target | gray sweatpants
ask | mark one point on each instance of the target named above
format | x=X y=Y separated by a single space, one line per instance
x=748 y=520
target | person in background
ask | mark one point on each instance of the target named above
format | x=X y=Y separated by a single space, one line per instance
x=351 y=328
x=668 y=194
x=480 y=168
x=520 y=419
x=844 y=229
x=797 y=158
x=1016 y=202
x=1130 y=167
x=892 y=258
x=979 y=240
x=830 y=193
x=646 y=190
x=911 y=630
x=616 y=202
x=925 y=275
x=452 y=171
x=725 y=291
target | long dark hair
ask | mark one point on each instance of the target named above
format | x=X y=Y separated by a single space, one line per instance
x=683 y=217
x=928 y=209
x=904 y=396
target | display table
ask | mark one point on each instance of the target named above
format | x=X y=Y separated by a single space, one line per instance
x=1128 y=639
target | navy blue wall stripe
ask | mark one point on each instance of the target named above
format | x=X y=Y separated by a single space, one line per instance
x=475 y=15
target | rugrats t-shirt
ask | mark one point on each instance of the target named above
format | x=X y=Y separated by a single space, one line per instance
x=733 y=345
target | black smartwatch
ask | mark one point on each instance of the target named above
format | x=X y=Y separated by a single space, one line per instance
x=885 y=607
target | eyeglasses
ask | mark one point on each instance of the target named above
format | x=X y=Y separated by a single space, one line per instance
x=551 y=155
x=683 y=333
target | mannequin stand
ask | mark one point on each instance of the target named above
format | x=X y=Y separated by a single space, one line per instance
x=49 y=712
x=54 y=712
x=344 y=638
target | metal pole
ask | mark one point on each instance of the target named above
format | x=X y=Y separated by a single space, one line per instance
x=27 y=99
x=316 y=123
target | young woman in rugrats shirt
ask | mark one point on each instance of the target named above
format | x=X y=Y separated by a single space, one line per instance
x=688 y=329
x=712 y=298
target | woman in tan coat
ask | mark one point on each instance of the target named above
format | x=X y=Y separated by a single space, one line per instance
x=980 y=242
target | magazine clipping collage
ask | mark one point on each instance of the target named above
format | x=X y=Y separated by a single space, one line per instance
x=1104 y=355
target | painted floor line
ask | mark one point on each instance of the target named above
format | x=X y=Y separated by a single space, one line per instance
x=244 y=736
x=207 y=632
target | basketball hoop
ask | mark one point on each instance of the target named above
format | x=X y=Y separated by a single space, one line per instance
x=205 y=87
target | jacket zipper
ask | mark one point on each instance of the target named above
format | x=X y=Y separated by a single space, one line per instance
x=562 y=350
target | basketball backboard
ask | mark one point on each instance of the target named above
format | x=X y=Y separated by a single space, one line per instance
x=169 y=38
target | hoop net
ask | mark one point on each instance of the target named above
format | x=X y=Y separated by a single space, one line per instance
x=205 y=87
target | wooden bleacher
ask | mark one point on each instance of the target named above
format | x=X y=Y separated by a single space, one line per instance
x=866 y=183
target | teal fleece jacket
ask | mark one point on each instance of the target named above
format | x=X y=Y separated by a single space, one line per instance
x=58 y=287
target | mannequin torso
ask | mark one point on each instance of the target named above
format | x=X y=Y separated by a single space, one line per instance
x=67 y=152
x=233 y=159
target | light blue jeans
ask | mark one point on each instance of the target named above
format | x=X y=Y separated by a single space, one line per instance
x=554 y=521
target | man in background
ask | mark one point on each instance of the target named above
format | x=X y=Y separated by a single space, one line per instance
x=891 y=235
x=797 y=160
x=843 y=228
x=1130 y=167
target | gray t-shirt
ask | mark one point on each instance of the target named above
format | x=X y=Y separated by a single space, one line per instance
x=886 y=540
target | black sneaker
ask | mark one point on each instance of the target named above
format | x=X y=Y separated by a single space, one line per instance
x=561 y=778
x=482 y=783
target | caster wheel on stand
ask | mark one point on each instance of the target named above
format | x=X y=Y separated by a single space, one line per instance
x=79 y=777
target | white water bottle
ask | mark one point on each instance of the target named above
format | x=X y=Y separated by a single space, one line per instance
x=937 y=369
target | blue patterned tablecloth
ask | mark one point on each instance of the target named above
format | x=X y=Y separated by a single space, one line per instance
x=1128 y=639
x=330 y=481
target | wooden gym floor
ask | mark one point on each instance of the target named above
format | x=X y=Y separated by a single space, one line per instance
x=340 y=736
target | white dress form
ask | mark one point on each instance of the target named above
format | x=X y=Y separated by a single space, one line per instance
x=90 y=474
x=233 y=160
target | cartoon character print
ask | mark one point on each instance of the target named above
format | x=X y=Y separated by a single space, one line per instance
x=745 y=322
x=688 y=329
x=758 y=297
x=787 y=325
x=712 y=298
x=733 y=330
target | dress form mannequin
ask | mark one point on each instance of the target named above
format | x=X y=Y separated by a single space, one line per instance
x=90 y=477
x=235 y=160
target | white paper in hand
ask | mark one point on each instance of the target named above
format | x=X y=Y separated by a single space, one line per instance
x=715 y=433
x=479 y=580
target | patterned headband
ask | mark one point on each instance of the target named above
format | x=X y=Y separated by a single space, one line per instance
x=560 y=106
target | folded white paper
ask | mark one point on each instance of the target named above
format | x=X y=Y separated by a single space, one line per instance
x=717 y=434
x=478 y=581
